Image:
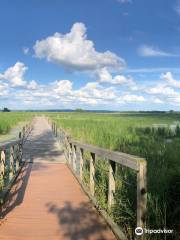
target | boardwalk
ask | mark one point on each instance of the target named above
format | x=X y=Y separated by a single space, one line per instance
x=46 y=201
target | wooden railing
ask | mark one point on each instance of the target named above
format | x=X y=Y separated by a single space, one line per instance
x=74 y=153
x=11 y=161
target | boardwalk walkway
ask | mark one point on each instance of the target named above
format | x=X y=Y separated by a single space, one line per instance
x=46 y=202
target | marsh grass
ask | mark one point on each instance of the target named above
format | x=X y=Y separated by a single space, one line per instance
x=156 y=137
x=11 y=119
x=101 y=182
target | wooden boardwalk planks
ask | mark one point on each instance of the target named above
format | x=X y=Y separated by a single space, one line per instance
x=47 y=202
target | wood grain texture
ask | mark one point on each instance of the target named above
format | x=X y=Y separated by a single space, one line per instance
x=46 y=201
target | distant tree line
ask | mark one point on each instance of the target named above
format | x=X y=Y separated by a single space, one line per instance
x=79 y=110
x=5 y=109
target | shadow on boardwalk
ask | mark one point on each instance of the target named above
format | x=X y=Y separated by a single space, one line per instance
x=43 y=147
x=79 y=222
x=16 y=195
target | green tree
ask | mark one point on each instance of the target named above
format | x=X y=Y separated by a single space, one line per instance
x=6 y=109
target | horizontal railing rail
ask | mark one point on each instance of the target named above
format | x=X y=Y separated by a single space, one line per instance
x=74 y=153
x=11 y=161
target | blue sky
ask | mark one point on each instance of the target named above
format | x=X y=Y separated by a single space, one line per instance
x=99 y=54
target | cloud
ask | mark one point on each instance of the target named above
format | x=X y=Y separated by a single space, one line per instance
x=157 y=100
x=162 y=90
x=3 y=89
x=55 y=93
x=177 y=7
x=125 y=14
x=168 y=77
x=63 y=87
x=132 y=98
x=25 y=50
x=3 y=86
x=74 y=51
x=15 y=76
x=166 y=91
x=104 y=76
x=150 y=51
x=151 y=70
x=32 y=85
x=96 y=91
x=107 y=92
x=62 y=93
x=4 y=94
x=91 y=93
x=124 y=1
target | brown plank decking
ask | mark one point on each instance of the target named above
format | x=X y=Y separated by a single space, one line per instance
x=46 y=201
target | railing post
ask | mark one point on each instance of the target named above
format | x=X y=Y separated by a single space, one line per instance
x=19 y=153
x=24 y=131
x=112 y=185
x=69 y=153
x=74 y=157
x=65 y=145
x=141 y=194
x=81 y=162
x=2 y=165
x=17 y=157
x=92 y=173
x=55 y=129
x=11 y=161
x=20 y=135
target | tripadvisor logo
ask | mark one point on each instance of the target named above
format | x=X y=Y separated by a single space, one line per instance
x=139 y=231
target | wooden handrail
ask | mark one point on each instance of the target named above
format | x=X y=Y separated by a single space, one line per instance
x=124 y=159
x=9 y=144
x=11 y=161
x=74 y=151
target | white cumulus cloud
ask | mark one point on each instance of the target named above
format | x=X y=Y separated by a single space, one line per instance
x=63 y=87
x=74 y=51
x=168 y=77
x=132 y=98
x=157 y=100
x=104 y=76
x=32 y=85
x=162 y=90
x=15 y=76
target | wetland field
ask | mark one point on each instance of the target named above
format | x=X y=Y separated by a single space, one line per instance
x=153 y=136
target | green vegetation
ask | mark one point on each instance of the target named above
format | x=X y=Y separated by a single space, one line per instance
x=10 y=119
x=154 y=136
x=6 y=109
x=79 y=110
